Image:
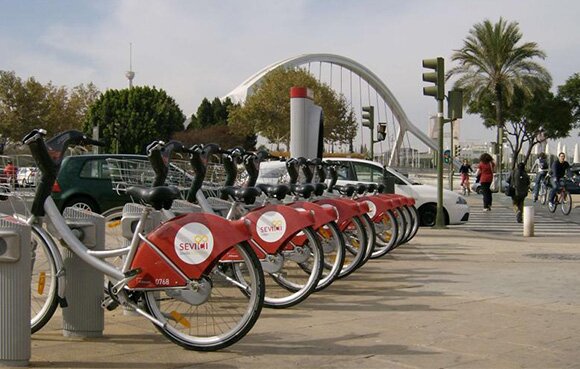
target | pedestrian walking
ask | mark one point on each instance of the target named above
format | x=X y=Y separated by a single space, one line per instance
x=541 y=167
x=519 y=183
x=485 y=170
x=464 y=172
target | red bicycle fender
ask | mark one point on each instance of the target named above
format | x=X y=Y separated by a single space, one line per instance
x=194 y=242
x=273 y=225
x=377 y=206
x=397 y=202
x=346 y=208
x=322 y=214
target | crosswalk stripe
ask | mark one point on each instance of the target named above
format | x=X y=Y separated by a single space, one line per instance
x=502 y=220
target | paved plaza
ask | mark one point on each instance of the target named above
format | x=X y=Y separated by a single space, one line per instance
x=453 y=298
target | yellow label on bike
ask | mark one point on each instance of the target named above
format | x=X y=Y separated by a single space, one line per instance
x=114 y=223
x=325 y=233
x=41 y=282
x=180 y=319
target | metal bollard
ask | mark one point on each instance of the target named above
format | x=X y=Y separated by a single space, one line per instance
x=14 y=292
x=131 y=214
x=180 y=207
x=528 y=221
x=84 y=316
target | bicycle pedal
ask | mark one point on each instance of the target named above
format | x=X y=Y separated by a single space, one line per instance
x=62 y=302
x=109 y=303
x=132 y=272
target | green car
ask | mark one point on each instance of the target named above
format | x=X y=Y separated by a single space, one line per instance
x=85 y=181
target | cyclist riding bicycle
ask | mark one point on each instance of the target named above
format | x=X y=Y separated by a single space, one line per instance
x=560 y=168
x=541 y=166
x=464 y=172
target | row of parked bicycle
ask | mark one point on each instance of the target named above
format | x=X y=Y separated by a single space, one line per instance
x=218 y=255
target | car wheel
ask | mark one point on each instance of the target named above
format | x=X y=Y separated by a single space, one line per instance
x=83 y=202
x=478 y=191
x=428 y=215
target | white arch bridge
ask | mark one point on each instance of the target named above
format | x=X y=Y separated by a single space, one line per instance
x=361 y=87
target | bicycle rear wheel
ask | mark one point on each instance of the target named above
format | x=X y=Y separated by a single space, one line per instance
x=298 y=274
x=355 y=241
x=386 y=229
x=371 y=238
x=44 y=282
x=334 y=251
x=566 y=203
x=229 y=312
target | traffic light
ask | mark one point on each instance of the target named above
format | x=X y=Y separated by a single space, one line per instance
x=457 y=150
x=368 y=116
x=381 y=131
x=455 y=104
x=446 y=156
x=437 y=78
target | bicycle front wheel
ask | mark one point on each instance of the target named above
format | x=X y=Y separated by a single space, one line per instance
x=566 y=204
x=44 y=282
x=543 y=194
x=224 y=317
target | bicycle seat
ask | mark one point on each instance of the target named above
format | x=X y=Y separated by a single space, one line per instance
x=319 y=188
x=372 y=187
x=347 y=190
x=160 y=197
x=303 y=190
x=361 y=188
x=277 y=191
x=246 y=194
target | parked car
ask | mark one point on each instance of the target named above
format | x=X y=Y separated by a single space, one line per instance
x=27 y=176
x=573 y=186
x=353 y=171
x=85 y=181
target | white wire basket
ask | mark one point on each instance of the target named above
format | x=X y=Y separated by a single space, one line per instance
x=125 y=173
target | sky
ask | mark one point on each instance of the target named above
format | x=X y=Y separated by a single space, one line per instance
x=195 y=49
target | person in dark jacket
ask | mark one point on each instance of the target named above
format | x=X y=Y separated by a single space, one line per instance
x=519 y=180
x=560 y=168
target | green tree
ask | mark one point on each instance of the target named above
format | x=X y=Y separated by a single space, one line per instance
x=25 y=105
x=205 y=117
x=570 y=92
x=267 y=111
x=129 y=119
x=493 y=63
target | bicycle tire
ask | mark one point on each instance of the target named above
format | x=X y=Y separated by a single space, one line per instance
x=44 y=282
x=371 y=238
x=543 y=193
x=225 y=317
x=298 y=276
x=334 y=252
x=402 y=226
x=410 y=224
x=566 y=203
x=355 y=241
x=386 y=229
x=552 y=207
x=415 y=217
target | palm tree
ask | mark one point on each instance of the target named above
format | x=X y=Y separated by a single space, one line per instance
x=493 y=62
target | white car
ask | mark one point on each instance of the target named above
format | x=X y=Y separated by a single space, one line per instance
x=27 y=176
x=355 y=171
